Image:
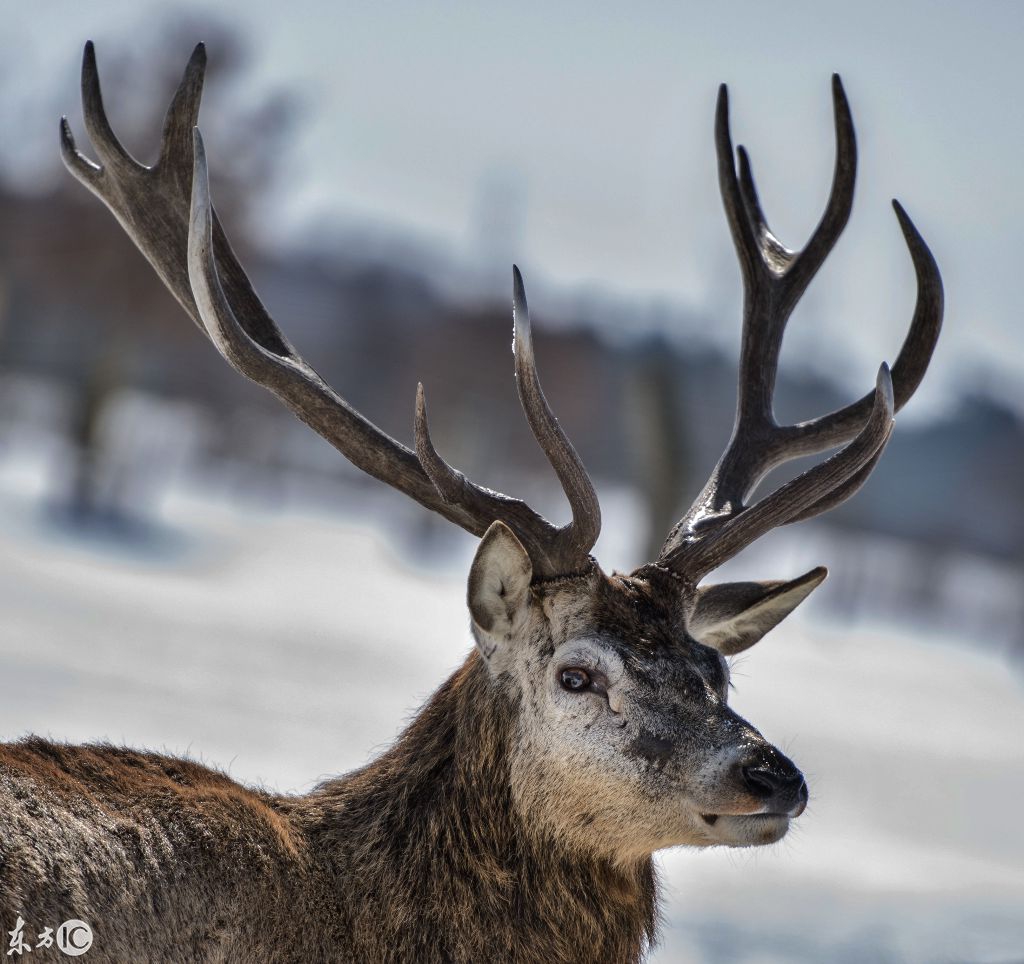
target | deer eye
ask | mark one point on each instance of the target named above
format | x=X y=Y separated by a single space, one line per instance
x=575 y=680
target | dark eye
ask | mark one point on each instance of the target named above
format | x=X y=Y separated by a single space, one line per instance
x=575 y=679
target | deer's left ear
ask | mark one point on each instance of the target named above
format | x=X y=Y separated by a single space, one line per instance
x=732 y=616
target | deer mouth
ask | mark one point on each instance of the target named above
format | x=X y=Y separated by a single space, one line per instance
x=712 y=818
x=746 y=829
x=768 y=815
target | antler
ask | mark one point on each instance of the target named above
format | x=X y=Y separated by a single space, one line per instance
x=167 y=212
x=719 y=523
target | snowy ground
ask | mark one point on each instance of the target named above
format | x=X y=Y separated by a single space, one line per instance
x=286 y=647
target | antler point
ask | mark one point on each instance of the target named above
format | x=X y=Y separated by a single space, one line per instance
x=197 y=60
x=520 y=308
x=89 y=60
x=883 y=385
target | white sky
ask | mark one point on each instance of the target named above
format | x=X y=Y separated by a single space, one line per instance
x=600 y=115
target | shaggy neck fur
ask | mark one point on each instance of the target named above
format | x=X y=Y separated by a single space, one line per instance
x=433 y=862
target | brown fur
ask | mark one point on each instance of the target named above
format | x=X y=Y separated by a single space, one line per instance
x=418 y=857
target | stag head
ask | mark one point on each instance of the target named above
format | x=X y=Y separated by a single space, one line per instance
x=625 y=742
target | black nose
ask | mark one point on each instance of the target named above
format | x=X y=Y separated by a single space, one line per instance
x=775 y=780
x=762 y=782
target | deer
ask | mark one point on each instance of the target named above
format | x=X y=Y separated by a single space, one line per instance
x=517 y=816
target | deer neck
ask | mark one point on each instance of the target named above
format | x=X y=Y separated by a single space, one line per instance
x=471 y=872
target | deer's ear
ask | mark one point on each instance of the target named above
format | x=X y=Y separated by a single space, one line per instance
x=499 y=588
x=732 y=616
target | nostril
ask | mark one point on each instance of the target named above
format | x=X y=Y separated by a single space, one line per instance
x=766 y=783
x=761 y=783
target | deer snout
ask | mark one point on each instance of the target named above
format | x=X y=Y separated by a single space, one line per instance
x=773 y=778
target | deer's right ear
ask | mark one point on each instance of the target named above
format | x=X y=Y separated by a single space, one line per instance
x=499 y=587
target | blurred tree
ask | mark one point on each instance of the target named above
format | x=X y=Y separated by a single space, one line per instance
x=659 y=440
x=86 y=302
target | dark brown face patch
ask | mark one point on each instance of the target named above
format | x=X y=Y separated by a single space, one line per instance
x=652 y=748
x=645 y=614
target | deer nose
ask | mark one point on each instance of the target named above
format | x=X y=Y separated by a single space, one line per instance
x=777 y=782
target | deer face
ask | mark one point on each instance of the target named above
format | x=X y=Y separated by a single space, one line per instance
x=626 y=741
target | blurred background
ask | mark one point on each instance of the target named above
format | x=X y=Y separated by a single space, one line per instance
x=185 y=567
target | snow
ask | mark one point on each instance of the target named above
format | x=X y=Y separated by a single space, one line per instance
x=288 y=646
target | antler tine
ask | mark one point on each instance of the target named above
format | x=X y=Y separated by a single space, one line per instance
x=245 y=355
x=826 y=484
x=841 y=493
x=840 y=202
x=827 y=431
x=450 y=483
x=774 y=251
x=743 y=236
x=109 y=149
x=183 y=114
x=581 y=534
x=774 y=278
x=75 y=161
